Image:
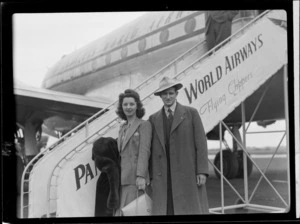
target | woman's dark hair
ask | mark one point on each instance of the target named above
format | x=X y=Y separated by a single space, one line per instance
x=140 y=111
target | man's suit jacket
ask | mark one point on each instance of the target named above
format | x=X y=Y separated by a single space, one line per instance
x=135 y=151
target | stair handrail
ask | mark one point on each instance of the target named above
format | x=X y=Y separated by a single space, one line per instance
x=66 y=136
x=187 y=67
x=205 y=55
x=105 y=110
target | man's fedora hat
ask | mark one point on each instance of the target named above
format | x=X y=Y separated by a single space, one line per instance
x=167 y=83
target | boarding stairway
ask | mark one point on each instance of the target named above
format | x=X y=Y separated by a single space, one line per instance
x=46 y=172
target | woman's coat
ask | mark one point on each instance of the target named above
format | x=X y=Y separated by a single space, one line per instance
x=135 y=151
x=188 y=157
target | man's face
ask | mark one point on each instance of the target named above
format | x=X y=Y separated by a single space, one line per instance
x=169 y=96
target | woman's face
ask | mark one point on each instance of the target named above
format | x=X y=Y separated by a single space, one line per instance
x=129 y=106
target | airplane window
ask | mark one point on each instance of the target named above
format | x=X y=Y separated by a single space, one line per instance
x=89 y=67
x=94 y=65
x=164 y=36
x=108 y=59
x=124 y=52
x=142 y=45
x=190 y=25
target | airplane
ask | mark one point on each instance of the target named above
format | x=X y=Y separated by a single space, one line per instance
x=123 y=59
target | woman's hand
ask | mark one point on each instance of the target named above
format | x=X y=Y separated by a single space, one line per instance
x=141 y=183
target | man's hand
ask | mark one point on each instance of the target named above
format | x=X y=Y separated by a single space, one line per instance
x=201 y=179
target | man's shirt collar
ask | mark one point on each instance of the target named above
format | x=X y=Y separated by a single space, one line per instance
x=173 y=107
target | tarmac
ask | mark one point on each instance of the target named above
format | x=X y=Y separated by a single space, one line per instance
x=264 y=195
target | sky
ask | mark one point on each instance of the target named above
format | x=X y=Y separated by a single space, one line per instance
x=41 y=39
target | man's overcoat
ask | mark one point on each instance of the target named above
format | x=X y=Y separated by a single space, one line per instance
x=188 y=157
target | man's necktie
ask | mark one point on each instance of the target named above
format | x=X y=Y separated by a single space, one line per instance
x=170 y=208
x=170 y=116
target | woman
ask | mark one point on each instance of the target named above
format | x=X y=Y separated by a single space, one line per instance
x=134 y=146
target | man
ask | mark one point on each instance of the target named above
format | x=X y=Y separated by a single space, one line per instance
x=179 y=160
x=218 y=26
x=32 y=136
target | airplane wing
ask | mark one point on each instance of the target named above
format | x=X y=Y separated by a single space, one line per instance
x=59 y=111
